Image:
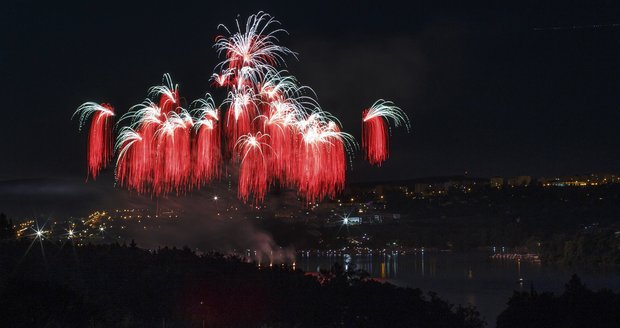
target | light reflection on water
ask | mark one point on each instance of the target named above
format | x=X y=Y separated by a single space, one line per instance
x=462 y=277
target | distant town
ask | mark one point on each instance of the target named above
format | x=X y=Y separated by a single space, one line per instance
x=504 y=214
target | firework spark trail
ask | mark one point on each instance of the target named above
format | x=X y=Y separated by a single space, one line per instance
x=252 y=47
x=306 y=155
x=173 y=164
x=130 y=147
x=277 y=124
x=322 y=157
x=250 y=53
x=280 y=114
x=221 y=80
x=155 y=153
x=100 y=138
x=136 y=157
x=376 y=130
x=241 y=112
x=337 y=160
x=207 y=154
x=168 y=95
x=271 y=126
x=253 y=171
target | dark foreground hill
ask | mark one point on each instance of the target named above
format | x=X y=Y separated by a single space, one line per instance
x=43 y=284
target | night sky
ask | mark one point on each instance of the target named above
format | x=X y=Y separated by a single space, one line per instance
x=493 y=91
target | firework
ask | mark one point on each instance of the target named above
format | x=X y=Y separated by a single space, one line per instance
x=155 y=152
x=207 y=154
x=268 y=125
x=252 y=46
x=278 y=123
x=173 y=154
x=99 y=151
x=253 y=171
x=168 y=94
x=131 y=163
x=250 y=54
x=241 y=112
x=376 y=129
x=282 y=110
x=221 y=80
x=322 y=157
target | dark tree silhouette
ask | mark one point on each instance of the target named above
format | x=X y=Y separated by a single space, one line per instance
x=7 y=231
x=576 y=307
x=117 y=286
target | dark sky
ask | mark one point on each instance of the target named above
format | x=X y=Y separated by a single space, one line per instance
x=489 y=90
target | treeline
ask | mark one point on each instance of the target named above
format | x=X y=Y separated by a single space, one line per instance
x=44 y=284
x=576 y=307
x=597 y=248
x=7 y=231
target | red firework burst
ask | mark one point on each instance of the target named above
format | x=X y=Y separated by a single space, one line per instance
x=376 y=131
x=271 y=127
x=100 y=150
x=253 y=171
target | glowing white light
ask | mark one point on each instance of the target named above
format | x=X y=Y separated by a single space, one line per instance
x=387 y=109
x=214 y=197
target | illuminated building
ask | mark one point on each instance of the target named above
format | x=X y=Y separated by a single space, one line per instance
x=519 y=181
x=496 y=182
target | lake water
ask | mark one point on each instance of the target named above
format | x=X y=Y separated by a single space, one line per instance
x=464 y=277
